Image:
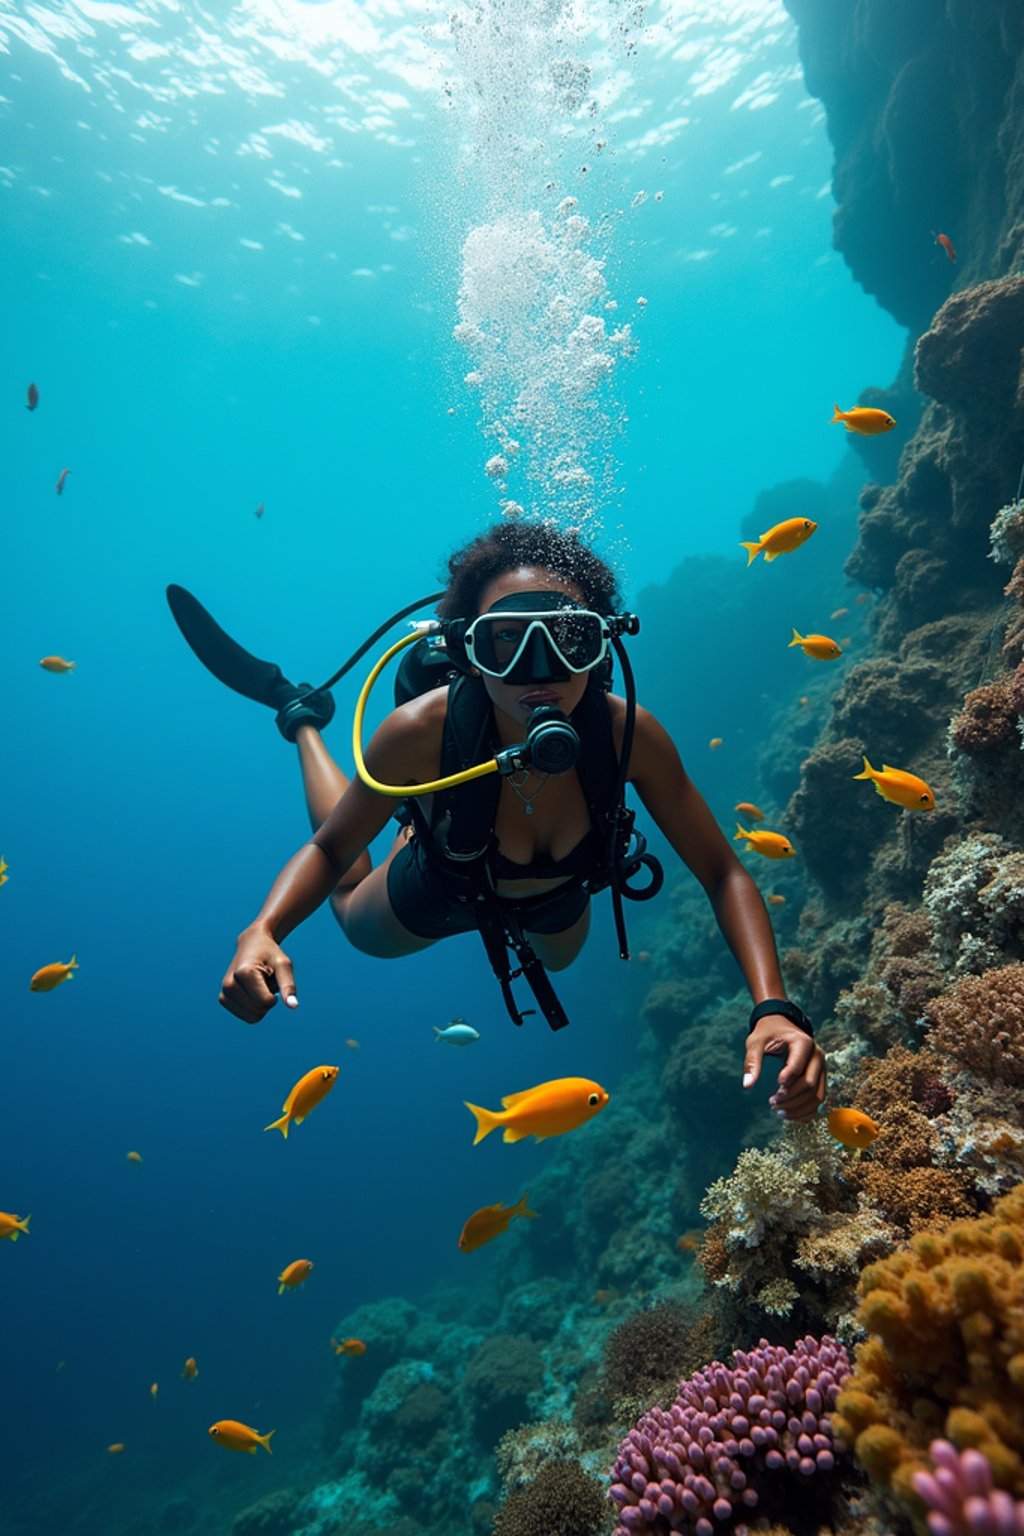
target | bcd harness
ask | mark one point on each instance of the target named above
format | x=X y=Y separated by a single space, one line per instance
x=458 y=839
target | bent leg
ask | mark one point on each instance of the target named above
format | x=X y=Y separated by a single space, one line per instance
x=368 y=918
x=558 y=950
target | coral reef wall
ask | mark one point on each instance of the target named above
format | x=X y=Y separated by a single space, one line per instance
x=925 y=104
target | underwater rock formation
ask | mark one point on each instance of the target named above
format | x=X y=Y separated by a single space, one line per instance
x=923 y=105
x=704 y=1463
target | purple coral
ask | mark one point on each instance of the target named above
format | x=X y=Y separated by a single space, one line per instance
x=697 y=1464
x=960 y=1499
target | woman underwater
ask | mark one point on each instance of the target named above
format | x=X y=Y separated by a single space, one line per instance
x=532 y=581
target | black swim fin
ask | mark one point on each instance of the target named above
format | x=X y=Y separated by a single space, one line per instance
x=295 y=703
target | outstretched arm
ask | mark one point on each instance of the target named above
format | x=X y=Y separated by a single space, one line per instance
x=683 y=816
x=260 y=967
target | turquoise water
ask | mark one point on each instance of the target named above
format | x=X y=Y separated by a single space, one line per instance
x=232 y=264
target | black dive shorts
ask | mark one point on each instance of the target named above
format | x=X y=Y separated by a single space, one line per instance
x=421 y=905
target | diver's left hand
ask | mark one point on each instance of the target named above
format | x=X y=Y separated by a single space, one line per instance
x=802 y=1081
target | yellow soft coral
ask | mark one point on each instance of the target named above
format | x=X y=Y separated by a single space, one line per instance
x=945 y=1354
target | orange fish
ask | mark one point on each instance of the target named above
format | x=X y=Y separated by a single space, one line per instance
x=840 y=613
x=747 y=808
x=33 y=398
x=899 y=787
x=776 y=901
x=947 y=245
x=865 y=419
x=488 y=1222
x=818 y=646
x=349 y=1347
x=605 y=1298
x=780 y=540
x=304 y=1097
x=690 y=1240
x=852 y=1128
x=61 y=479
x=56 y=664
x=154 y=1389
x=116 y=1448
x=296 y=1273
x=189 y=1370
x=133 y=1157
x=550 y=1109
x=235 y=1436
x=716 y=741
x=4 y=876
x=772 y=845
x=863 y=597
x=50 y=976
x=11 y=1225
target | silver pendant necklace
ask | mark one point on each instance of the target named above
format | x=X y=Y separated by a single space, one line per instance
x=527 y=799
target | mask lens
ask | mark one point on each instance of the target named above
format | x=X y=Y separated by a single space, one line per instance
x=578 y=637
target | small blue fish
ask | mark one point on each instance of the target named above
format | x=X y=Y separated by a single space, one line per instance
x=458 y=1032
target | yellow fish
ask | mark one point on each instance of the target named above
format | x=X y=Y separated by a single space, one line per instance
x=852 y=1127
x=550 y=1109
x=189 y=1370
x=716 y=741
x=10 y=1225
x=304 y=1097
x=56 y=664
x=865 y=419
x=51 y=976
x=116 y=1448
x=4 y=876
x=899 y=787
x=296 y=1273
x=748 y=808
x=776 y=901
x=818 y=646
x=154 y=1389
x=235 y=1436
x=780 y=540
x=133 y=1157
x=488 y=1222
x=771 y=844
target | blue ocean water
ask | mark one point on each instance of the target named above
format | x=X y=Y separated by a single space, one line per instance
x=233 y=259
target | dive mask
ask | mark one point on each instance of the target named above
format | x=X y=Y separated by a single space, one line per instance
x=536 y=637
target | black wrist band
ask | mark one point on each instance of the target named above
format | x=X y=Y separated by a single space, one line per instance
x=788 y=1011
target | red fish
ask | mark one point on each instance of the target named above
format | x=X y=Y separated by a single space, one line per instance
x=33 y=398
x=947 y=246
x=61 y=479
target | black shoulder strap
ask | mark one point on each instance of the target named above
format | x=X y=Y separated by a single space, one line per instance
x=466 y=815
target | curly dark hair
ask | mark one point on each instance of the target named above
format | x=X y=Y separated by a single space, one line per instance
x=508 y=545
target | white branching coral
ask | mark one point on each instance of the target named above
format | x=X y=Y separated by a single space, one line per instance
x=1007 y=534
x=974 y=896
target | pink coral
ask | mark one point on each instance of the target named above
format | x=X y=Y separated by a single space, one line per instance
x=960 y=1499
x=698 y=1464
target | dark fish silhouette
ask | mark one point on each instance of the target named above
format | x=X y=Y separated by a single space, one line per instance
x=33 y=398
x=259 y=510
x=60 y=480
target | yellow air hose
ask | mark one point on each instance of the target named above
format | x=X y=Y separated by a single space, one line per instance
x=402 y=791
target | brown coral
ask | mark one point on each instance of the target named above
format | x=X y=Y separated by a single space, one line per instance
x=980 y=1022
x=562 y=1500
x=946 y=1352
x=987 y=721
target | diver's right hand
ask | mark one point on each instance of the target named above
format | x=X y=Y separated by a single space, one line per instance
x=259 y=970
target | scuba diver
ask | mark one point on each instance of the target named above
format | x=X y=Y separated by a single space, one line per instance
x=508 y=757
